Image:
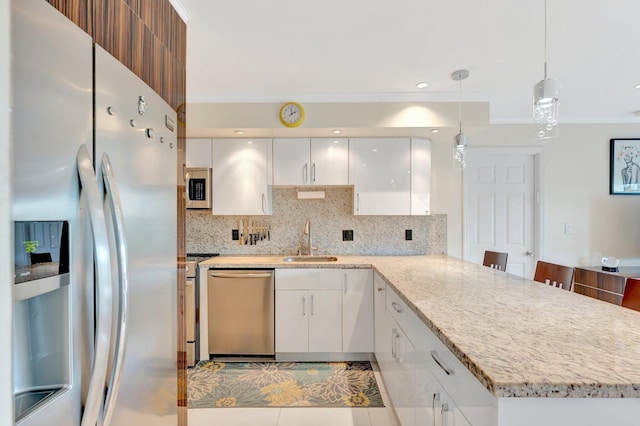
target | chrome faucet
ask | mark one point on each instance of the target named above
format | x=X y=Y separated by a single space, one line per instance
x=307 y=232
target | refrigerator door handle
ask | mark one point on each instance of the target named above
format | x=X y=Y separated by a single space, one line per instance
x=104 y=302
x=113 y=196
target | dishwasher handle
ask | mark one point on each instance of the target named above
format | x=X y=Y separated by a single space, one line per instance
x=225 y=274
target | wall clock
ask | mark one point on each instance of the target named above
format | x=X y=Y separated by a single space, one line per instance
x=291 y=114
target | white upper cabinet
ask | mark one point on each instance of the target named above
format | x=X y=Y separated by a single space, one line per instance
x=241 y=176
x=380 y=172
x=198 y=153
x=420 y=176
x=301 y=161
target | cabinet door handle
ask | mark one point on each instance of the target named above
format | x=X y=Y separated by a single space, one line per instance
x=444 y=408
x=305 y=172
x=436 y=357
x=357 y=202
x=436 y=397
x=313 y=173
x=397 y=307
x=393 y=343
x=311 y=309
x=304 y=306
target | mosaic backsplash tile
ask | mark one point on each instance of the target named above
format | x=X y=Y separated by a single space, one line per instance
x=373 y=235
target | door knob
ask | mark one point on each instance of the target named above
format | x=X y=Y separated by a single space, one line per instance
x=530 y=253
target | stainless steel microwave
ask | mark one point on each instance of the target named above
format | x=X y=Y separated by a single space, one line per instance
x=198 y=188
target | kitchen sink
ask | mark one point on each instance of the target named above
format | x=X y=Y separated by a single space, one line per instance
x=310 y=259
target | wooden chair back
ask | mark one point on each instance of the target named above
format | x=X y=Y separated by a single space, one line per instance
x=554 y=275
x=631 y=298
x=495 y=260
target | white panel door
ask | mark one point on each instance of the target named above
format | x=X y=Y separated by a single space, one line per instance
x=357 y=311
x=380 y=172
x=325 y=321
x=500 y=207
x=329 y=162
x=291 y=161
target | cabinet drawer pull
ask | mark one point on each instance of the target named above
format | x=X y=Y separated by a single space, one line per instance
x=397 y=307
x=304 y=306
x=436 y=398
x=436 y=357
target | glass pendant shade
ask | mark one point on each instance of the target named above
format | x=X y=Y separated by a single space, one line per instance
x=546 y=101
x=459 y=151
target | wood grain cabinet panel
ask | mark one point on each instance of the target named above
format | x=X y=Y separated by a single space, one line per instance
x=601 y=285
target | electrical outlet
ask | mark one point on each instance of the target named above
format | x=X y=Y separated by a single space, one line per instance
x=408 y=234
x=347 y=235
x=235 y=235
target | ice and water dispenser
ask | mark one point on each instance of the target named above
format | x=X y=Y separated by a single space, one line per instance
x=41 y=343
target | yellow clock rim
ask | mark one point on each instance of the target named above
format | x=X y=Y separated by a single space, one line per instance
x=286 y=123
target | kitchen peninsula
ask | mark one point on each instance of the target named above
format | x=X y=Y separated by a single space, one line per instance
x=546 y=356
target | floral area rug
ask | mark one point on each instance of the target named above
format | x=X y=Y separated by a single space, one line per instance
x=282 y=384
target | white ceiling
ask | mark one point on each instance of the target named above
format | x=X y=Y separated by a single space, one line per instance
x=377 y=50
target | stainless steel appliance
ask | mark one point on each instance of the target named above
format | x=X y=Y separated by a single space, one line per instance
x=95 y=149
x=241 y=312
x=198 y=188
x=190 y=311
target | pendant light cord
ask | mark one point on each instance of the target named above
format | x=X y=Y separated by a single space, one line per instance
x=460 y=106
x=545 y=39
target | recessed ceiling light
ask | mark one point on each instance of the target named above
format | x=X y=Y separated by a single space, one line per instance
x=636 y=113
x=336 y=132
x=239 y=132
x=637 y=86
x=422 y=85
x=435 y=130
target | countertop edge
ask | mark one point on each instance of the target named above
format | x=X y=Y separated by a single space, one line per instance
x=498 y=389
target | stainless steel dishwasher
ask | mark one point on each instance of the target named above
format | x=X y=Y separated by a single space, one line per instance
x=241 y=312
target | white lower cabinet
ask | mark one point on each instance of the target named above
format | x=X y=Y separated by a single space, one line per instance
x=398 y=370
x=357 y=310
x=379 y=315
x=308 y=321
x=323 y=310
x=427 y=384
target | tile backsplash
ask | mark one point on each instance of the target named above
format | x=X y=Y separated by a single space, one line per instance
x=372 y=235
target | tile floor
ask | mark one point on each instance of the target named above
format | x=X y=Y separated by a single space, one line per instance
x=311 y=416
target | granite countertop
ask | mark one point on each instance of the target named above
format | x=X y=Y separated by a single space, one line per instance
x=518 y=337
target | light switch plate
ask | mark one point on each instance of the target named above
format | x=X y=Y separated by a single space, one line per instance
x=568 y=228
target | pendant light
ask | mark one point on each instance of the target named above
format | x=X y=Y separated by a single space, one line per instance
x=546 y=99
x=460 y=141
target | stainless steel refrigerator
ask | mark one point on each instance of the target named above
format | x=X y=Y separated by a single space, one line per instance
x=94 y=205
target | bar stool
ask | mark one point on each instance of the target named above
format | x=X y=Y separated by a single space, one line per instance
x=554 y=275
x=495 y=260
x=631 y=298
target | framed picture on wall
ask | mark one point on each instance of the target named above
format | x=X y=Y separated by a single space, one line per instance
x=624 y=167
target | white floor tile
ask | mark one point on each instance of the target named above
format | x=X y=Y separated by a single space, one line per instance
x=234 y=416
x=382 y=417
x=324 y=417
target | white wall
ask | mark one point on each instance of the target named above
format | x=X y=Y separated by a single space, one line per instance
x=6 y=389
x=575 y=190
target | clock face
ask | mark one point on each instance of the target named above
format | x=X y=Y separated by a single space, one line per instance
x=291 y=114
